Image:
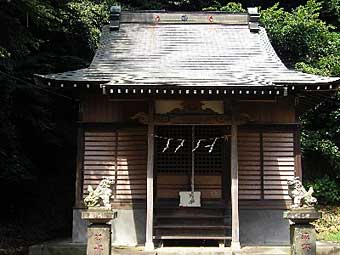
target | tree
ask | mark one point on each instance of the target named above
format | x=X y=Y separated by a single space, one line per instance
x=309 y=44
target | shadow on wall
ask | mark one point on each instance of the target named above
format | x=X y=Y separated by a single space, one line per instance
x=129 y=227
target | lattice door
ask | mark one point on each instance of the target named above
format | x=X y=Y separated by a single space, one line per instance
x=180 y=162
x=174 y=169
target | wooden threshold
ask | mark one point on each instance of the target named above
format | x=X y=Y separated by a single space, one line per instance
x=162 y=237
x=193 y=227
x=197 y=217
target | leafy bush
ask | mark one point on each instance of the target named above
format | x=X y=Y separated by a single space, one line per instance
x=326 y=190
x=331 y=12
x=320 y=138
x=328 y=227
x=91 y=15
x=231 y=7
x=297 y=36
x=210 y=8
x=306 y=42
x=216 y=6
x=4 y=53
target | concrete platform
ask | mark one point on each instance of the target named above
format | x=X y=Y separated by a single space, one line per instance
x=69 y=248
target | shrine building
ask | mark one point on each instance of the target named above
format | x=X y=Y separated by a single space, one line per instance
x=195 y=118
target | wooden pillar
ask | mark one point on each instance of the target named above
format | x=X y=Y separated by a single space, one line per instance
x=78 y=203
x=297 y=154
x=235 y=239
x=149 y=181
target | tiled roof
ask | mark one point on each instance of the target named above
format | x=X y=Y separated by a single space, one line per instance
x=187 y=55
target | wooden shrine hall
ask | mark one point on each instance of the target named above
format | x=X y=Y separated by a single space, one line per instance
x=196 y=118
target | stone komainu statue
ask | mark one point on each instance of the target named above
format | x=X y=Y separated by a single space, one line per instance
x=103 y=192
x=301 y=197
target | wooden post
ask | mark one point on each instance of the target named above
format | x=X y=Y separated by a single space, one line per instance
x=149 y=181
x=235 y=240
x=78 y=203
x=297 y=154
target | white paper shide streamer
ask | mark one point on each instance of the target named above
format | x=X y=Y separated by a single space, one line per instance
x=181 y=142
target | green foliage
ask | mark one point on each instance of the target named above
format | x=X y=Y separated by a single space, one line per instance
x=91 y=15
x=326 y=66
x=320 y=141
x=210 y=8
x=4 y=53
x=297 y=36
x=42 y=15
x=321 y=135
x=40 y=23
x=304 y=41
x=215 y=6
x=326 y=190
x=231 y=7
x=331 y=12
x=40 y=37
x=328 y=227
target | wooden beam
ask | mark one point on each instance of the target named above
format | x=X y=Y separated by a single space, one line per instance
x=78 y=203
x=235 y=239
x=149 y=246
x=297 y=154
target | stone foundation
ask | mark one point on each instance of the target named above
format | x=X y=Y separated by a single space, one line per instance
x=127 y=229
x=257 y=227
x=263 y=227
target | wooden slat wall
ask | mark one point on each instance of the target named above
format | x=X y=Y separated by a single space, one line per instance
x=131 y=164
x=99 y=109
x=120 y=154
x=278 y=164
x=169 y=186
x=249 y=165
x=266 y=161
x=279 y=111
x=99 y=157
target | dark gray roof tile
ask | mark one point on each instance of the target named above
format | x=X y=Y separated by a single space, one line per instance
x=187 y=55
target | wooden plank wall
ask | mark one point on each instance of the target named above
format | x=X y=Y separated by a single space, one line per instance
x=280 y=111
x=131 y=164
x=249 y=154
x=278 y=164
x=169 y=186
x=120 y=154
x=266 y=161
x=99 y=109
x=99 y=157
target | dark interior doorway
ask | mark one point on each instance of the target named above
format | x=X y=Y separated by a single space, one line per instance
x=208 y=224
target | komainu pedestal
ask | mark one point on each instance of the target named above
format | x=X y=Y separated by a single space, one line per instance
x=99 y=230
x=302 y=233
x=301 y=214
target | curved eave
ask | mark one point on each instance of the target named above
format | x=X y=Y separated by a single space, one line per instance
x=68 y=83
x=332 y=85
x=154 y=57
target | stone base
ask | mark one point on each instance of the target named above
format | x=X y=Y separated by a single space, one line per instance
x=263 y=227
x=128 y=229
x=99 y=239
x=303 y=239
x=235 y=246
x=149 y=246
x=69 y=248
x=302 y=215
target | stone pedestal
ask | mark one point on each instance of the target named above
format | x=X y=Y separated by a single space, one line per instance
x=302 y=233
x=98 y=231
